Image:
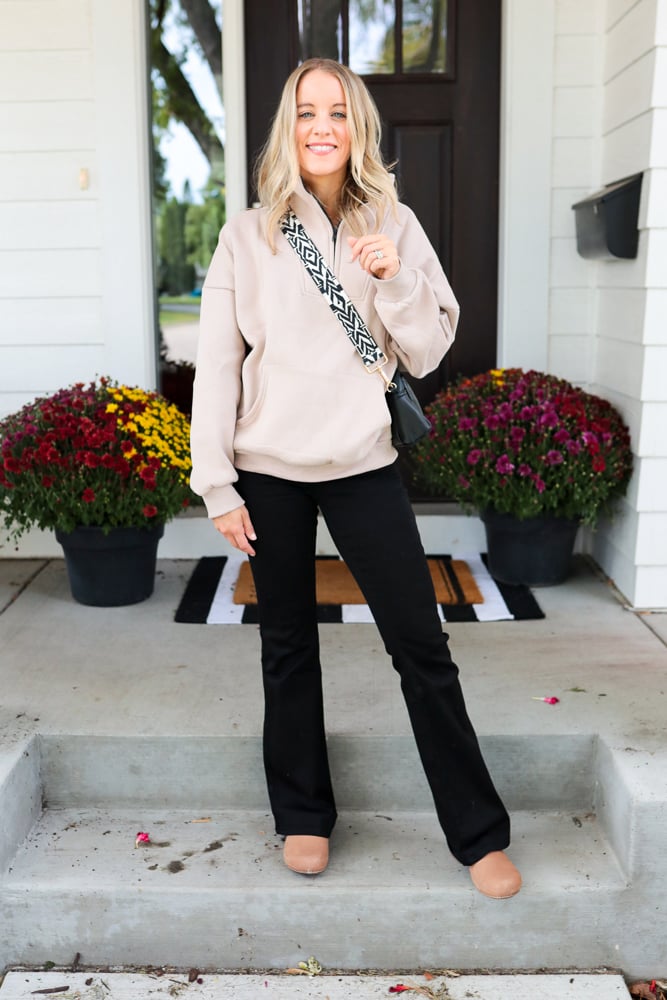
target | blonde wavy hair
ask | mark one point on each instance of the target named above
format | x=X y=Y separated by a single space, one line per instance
x=368 y=183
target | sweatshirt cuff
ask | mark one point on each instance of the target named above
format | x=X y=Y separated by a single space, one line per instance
x=221 y=499
x=398 y=288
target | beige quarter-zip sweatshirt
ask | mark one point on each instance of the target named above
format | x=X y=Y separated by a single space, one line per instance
x=279 y=388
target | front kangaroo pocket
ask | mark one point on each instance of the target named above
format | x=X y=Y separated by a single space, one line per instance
x=306 y=418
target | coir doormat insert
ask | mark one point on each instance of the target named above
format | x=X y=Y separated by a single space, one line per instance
x=220 y=591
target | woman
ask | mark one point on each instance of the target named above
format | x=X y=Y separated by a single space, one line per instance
x=287 y=422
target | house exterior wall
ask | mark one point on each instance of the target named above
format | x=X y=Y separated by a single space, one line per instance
x=607 y=326
x=631 y=316
x=76 y=283
x=76 y=288
x=576 y=108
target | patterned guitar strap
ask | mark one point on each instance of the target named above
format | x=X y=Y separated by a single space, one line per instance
x=332 y=290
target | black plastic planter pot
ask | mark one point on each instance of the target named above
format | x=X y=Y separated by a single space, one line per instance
x=536 y=552
x=113 y=569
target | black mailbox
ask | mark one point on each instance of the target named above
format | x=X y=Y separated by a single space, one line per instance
x=607 y=221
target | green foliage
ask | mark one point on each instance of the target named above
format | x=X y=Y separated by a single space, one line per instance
x=160 y=182
x=202 y=228
x=176 y=274
x=187 y=236
x=186 y=233
x=424 y=49
x=525 y=443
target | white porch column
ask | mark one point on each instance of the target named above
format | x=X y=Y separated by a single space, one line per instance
x=233 y=98
x=525 y=182
x=120 y=92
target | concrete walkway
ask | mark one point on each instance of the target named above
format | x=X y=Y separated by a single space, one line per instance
x=116 y=720
x=181 y=340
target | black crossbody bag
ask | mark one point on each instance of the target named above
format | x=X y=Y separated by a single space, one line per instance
x=408 y=422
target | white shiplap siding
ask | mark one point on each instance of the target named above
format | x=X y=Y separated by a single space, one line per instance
x=607 y=327
x=631 y=356
x=43 y=25
x=576 y=113
x=49 y=230
x=75 y=264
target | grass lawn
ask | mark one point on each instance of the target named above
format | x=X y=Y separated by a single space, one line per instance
x=179 y=300
x=168 y=318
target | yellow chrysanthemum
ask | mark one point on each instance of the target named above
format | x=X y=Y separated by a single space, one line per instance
x=160 y=427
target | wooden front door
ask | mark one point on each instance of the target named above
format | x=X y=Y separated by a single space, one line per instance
x=433 y=68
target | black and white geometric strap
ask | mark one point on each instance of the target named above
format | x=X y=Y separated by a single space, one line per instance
x=333 y=292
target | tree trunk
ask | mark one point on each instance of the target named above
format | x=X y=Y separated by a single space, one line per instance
x=202 y=20
x=184 y=107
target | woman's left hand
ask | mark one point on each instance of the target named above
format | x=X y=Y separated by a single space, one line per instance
x=376 y=254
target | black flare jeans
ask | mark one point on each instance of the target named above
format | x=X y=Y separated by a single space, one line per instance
x=371 y=521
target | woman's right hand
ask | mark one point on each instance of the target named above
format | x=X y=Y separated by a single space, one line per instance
x=237 y=528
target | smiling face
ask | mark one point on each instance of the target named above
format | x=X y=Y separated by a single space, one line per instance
x=322 y=135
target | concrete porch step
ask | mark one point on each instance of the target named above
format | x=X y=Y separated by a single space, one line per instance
x=128 y=986
x=211 y=891
x=215 y=894
x=371 y=772
x=119 y=986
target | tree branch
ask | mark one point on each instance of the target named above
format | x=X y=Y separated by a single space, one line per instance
x=203 y=22
x=183 y=105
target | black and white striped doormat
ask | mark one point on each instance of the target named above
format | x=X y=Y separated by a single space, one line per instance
x=209 y=598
